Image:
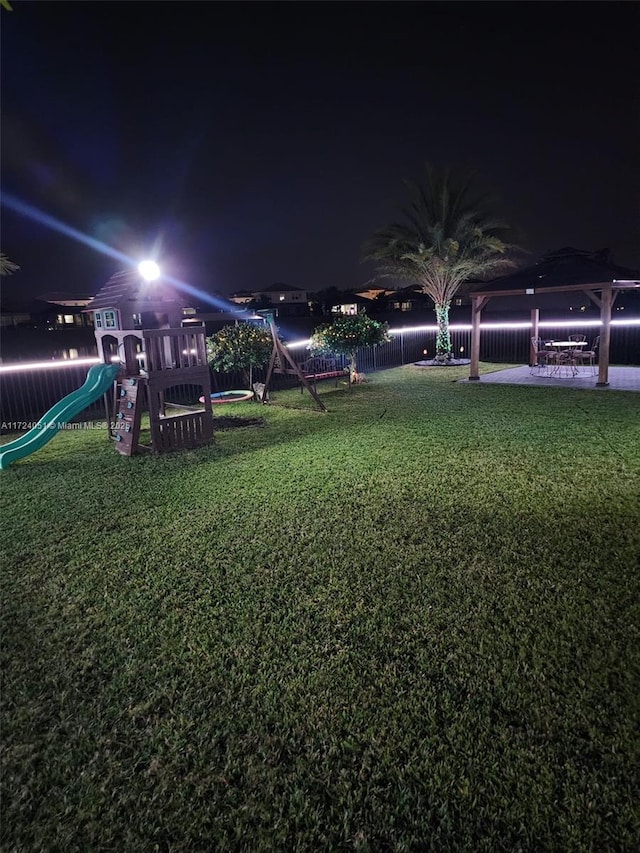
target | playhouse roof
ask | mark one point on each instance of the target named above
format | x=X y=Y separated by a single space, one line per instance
x=127 y=287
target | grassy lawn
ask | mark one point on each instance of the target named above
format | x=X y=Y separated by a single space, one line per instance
x=409 y=624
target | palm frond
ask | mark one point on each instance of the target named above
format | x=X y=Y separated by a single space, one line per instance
x=447 y=235
x=7 y=267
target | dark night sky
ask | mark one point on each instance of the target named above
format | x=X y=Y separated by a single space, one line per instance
x=262 y=142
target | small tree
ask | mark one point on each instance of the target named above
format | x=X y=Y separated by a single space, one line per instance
x=346 y=335
x=241 y=346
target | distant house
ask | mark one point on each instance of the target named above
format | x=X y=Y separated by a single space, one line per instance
x=242 y=297
x=69 y=300
x=352 y=303
x=406 y=299
x=53 y=311
x=66 y=310
x=290 y=301
x=282 y=294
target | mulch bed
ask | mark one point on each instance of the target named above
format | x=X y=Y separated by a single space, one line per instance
x=233 y=422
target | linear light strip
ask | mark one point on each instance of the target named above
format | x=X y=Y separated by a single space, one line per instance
x=19 y=367
x=466 y=327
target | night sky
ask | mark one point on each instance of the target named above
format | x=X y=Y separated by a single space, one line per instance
x=253 y=143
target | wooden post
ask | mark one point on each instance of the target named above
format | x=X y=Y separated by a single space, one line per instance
x=272 y=362
x=535 y=319
x=605 y=336
x=129 y=344
x=477 y=304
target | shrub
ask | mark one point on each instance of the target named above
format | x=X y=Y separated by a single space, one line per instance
x=241 y=346
x=346 y=335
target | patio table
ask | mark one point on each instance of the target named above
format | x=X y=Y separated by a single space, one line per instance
x=565 y=346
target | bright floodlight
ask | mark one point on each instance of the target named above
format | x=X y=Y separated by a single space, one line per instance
x=149 y=270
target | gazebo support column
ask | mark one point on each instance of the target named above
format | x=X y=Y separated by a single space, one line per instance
x=477 y=304
x=535 y=319
x=605 y=336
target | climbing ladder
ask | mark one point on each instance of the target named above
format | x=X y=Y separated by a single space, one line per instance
x=129 y=402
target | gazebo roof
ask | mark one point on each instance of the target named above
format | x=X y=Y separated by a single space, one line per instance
x=563 y=270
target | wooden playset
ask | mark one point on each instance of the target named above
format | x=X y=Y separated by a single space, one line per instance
x=139 y=324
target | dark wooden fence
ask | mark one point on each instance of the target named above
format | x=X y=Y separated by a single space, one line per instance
x=26 y=392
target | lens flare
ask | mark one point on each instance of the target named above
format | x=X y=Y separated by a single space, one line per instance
x=13 y=203
x=149 y=270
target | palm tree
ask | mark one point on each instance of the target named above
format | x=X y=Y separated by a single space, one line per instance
x=7 y=267
x=449 y=236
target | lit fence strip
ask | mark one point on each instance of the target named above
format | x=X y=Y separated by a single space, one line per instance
x=28 y=389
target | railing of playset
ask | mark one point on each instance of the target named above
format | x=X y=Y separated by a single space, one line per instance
x=178 y=431
x=174 y=349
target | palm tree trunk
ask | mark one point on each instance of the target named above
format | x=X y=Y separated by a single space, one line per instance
x=443 y=337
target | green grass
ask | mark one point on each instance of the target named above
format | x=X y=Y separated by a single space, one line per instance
x=410 y=623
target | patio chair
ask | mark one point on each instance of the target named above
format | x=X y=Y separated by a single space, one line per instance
x=542 y=357
x=577 y=339
x=565 y=364
x=589 y=356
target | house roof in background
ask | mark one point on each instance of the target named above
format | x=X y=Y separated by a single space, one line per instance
x=353 y=299
x=280 y=288
x=64 y=298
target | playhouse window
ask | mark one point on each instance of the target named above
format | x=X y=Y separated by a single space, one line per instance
x=110 y=319
x=97 y=319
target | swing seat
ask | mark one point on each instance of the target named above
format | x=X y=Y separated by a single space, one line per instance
x=317 y=368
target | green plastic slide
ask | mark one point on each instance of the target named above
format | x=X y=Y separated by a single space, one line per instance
x=99 y=379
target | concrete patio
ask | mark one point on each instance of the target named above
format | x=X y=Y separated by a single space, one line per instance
x=620 y=379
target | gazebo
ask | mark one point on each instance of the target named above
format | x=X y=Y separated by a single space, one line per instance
x=563 y=271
